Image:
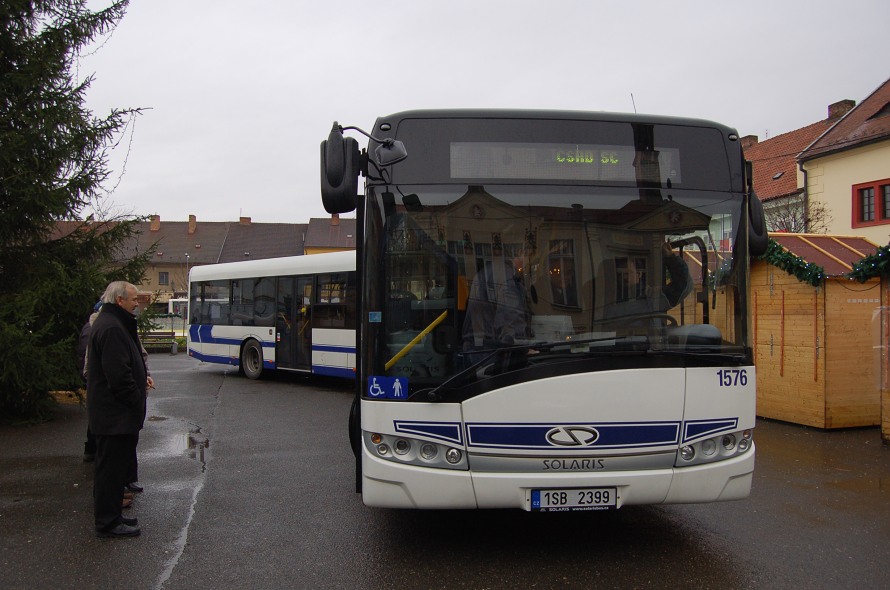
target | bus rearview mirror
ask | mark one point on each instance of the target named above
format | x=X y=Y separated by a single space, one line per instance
x=340 y=161
x=758 y=235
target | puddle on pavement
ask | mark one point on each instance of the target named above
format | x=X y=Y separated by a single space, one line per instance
x=192 y=444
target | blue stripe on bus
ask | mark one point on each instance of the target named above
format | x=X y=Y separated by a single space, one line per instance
x=446 y=431
x=212 y=358
x=702 y=428
x=224 y=360
x=203 y=334
x=333 y=348
x=334 y=371
x=610 y=435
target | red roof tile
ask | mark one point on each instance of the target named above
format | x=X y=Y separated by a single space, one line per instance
x=775 y=160
x=836 y=254
x=867 y=123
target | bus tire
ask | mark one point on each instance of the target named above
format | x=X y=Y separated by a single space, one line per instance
x=355 y=441
x=252 y=359
x=354 y=429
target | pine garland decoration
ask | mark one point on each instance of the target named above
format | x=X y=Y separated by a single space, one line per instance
x=796 y=266
x=873 y=265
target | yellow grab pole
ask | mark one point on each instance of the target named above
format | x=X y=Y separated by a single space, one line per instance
x=416 y=339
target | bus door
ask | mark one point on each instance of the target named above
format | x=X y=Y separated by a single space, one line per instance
x=284 y=324
x=303 y=319
x=293 y=345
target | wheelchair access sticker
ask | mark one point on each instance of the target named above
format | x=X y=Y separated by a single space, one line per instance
x=388 y=388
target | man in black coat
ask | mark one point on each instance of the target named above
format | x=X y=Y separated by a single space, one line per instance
x=116 y=382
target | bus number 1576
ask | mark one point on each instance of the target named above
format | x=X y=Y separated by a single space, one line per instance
x=732 y=377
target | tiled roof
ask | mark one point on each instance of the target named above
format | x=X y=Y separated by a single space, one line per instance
x=210 y=241
x=222 y=241
x=774 y=160
x=174 y=241
x=836 y=254
x=330 y=233
x=866 y=123
x=253 y=241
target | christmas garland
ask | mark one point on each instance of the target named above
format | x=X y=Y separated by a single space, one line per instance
x=873 y=265
x=804 y=271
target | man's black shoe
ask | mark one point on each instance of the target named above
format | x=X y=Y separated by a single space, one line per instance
x=134 y=487
x=119 y=530
x=89 y=457
x=129 y=521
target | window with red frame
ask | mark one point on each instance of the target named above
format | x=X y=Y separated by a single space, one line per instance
x=871 y=203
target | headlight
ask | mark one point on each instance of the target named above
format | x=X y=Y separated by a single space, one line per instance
x=717 y=448
x=414 y=452
x=402 y=446
x=428 y=451
x=709 y=447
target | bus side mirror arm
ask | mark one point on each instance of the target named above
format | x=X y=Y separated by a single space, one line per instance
x=341 y=164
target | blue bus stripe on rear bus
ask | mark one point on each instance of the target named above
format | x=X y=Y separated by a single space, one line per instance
x=333 y=348
x=343 y=372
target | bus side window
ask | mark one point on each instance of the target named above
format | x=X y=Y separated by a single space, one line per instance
x=329 y=316
x=264 y=302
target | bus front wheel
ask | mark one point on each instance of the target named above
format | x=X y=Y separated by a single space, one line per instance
x=252 y=359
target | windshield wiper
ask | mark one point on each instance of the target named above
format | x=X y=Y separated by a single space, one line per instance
x=433 y=394
x=437 y=393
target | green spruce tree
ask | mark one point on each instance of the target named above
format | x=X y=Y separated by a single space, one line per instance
x=54 y=261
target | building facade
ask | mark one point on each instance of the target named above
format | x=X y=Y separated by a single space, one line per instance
x=181 y=245
x=848 y=169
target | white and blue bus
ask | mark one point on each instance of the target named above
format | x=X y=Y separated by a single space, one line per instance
x=553 y=309
x=295 y=313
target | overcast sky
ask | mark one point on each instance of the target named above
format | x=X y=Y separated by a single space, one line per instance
x=239 y=95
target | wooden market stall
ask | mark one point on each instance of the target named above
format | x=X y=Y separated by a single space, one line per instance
x=818 y=349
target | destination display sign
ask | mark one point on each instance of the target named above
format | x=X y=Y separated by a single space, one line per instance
x=553 y=161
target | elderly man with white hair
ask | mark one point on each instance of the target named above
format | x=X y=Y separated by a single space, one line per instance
x=117 y=381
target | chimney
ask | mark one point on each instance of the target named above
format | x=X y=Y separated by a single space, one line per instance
x=335 y=219
x=748 y=141
x=193 y=224
x=840 y=108
x=244 y=220
x=155 y=223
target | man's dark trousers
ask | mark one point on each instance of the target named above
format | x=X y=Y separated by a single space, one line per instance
x=113 y=456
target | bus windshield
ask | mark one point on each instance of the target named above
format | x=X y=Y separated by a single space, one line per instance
x=484 y=279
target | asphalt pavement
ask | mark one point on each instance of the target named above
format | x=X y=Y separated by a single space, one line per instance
x=250 y=484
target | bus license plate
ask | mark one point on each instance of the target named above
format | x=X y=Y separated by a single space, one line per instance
x=563 y=500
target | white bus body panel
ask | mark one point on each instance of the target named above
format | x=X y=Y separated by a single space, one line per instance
x=333 y=352
x=643 y=417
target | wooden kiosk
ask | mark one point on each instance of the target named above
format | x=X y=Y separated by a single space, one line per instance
x=819 y=342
